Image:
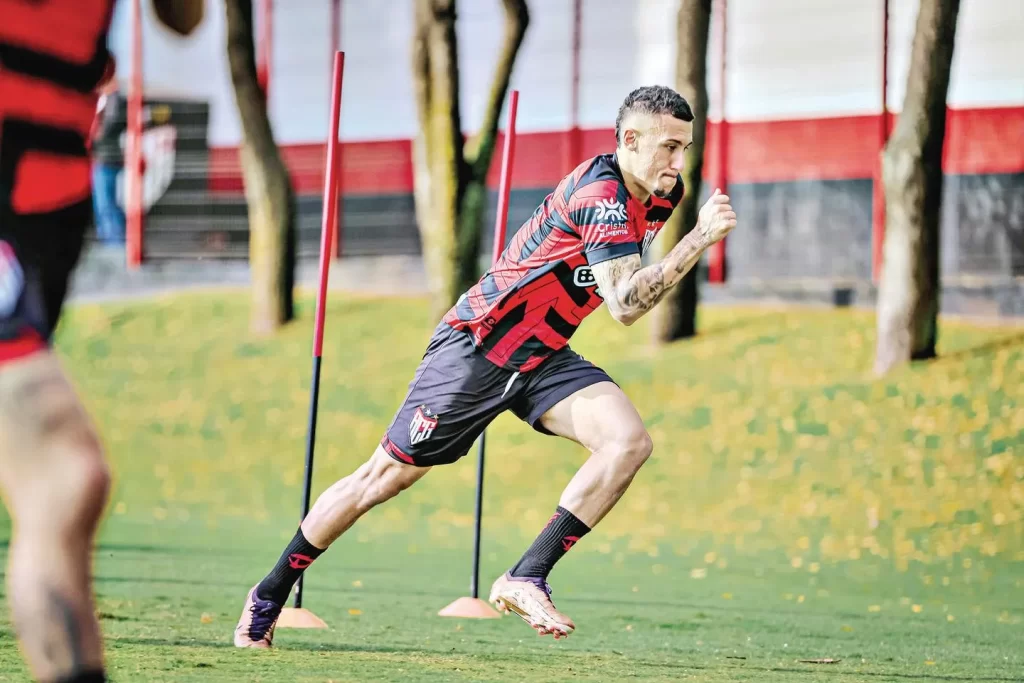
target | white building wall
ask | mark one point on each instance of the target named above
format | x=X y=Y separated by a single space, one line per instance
x=802 y=59
x=787 y=59
x=987 y=61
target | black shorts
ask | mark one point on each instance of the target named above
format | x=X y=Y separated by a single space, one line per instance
x=456 y=392
x=38 y=254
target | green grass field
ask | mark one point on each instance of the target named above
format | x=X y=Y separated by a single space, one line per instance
x=795 y=507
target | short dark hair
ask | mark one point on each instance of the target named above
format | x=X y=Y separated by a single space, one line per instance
x=653 y=99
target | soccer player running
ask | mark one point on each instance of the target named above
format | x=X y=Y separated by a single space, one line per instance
x=53 y=474
x=504 y=346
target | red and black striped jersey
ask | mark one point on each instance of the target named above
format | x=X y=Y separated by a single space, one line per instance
x=53 y=55
x=532 y=300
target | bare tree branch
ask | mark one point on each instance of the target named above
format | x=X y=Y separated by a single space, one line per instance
x=480 y=150
x=450 y=176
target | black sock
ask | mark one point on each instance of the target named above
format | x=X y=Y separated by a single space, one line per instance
x=299 y=554
x=561 y=533
x=84 y=677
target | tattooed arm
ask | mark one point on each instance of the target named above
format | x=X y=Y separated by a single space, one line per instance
x=631 y=290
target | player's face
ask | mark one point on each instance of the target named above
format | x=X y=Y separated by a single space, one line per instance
x=666 y=150
x=657 y=145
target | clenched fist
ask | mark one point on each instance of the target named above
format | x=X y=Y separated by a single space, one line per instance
x=716 y=218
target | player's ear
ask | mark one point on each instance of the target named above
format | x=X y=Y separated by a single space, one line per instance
x=629 y=139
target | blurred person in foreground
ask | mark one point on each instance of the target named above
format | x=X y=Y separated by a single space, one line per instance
x=504 y=346
x=53 y=473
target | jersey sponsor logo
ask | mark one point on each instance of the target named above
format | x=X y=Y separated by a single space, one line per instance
x=422 y=425
x=610 y=210
x=612 y=230
x=583 y=277
x=12 y=280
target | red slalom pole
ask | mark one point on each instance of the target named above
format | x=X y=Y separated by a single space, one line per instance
x=500 y=222
x=133 y=148
x=264 y=49
x=326 y=240
x=339 y=229
x=473 y=607
x=878 y=190
x=716 y=256
x=508 y=155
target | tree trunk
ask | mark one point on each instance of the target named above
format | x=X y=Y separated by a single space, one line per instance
x=268 y=190
x=440 y=167
x=676 y=316
x=908 y=295
x=450 y=175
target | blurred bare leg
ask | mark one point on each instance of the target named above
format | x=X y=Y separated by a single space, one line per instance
x=55 y=484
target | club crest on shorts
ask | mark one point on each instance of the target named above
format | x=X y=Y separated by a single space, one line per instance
x=422 y=426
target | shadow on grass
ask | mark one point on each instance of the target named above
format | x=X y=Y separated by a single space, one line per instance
x=113 y=546
x=226 y=644
x=245 y=584
x=862 y=675
x=811 y=670
x=985 y=349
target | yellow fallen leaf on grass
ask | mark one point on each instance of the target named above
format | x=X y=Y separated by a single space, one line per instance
x=817 y=444
x=355 y=612
x=206 y=618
